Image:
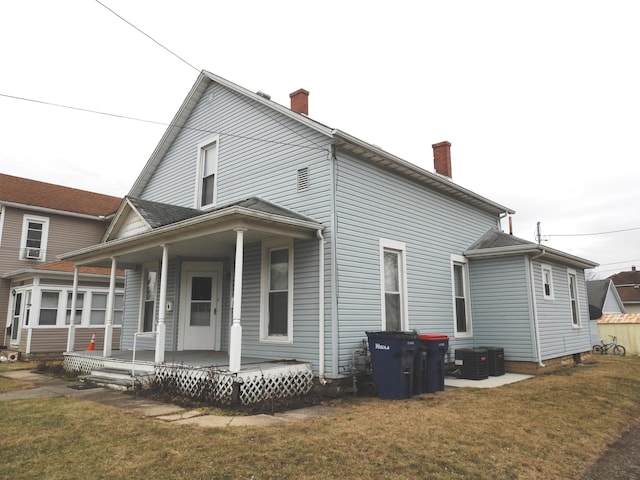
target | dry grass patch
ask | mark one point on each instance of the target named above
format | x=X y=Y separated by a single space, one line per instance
x=552 y=427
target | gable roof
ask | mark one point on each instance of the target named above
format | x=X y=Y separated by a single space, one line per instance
x=26 y=193
x=628 y=285
x=499 y=244
x=597 y=293
x=340 y=139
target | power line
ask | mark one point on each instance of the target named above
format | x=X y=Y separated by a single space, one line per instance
x=589 y=234
x=155 y=122
x=148 y=36
x=198 y=70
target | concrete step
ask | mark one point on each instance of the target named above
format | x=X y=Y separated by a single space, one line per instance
x=112 y=383
x=114 y=378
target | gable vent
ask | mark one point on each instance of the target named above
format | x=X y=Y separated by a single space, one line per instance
x=303 y=179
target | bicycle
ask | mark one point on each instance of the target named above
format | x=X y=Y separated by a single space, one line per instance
x=603 y=348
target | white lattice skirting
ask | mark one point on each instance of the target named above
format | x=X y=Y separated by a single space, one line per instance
x=213 y=385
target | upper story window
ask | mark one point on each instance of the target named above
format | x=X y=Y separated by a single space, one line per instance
x=393 y=281
x=35 y=233
x=573 y=298
x=207 y=170
x=547 y=282
x=460 y=285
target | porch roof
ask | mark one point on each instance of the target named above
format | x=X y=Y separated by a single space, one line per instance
x=192 y=232
x=499 y=244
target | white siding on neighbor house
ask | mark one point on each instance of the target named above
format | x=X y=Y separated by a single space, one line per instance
x=558 y=336
x=501 y=310
x=375 y=204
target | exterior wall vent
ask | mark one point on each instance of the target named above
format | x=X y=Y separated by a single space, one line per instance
x=303 y=179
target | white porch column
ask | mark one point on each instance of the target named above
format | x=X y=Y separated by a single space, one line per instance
x=71 y=335
x=235 y=345
x=108 y=320
x=161 y=328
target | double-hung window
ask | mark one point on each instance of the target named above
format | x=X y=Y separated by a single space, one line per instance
x=207 y=170
x=547 y=282
x=149 y=287
x=277 y=291
x=573 y=298
x=78 y=315
x=460 y=287
x=48 y=308
x=393 y=283
x=35 y=232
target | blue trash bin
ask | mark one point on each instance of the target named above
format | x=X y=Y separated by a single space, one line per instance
x=392 y=363
x=435 y=348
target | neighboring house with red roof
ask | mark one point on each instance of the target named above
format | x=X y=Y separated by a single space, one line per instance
x=38 y=222
x=628 y=286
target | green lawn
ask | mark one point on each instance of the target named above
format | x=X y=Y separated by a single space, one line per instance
x=548 y=427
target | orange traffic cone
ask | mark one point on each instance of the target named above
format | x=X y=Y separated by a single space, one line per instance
x=92 y=344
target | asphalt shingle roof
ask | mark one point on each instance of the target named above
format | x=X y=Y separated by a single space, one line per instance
x=56 y=197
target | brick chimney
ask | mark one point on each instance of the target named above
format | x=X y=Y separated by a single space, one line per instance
x=442 y=158
x=300 y=101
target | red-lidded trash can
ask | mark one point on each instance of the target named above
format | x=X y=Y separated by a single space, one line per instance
x=392 y=363
x=430 y=362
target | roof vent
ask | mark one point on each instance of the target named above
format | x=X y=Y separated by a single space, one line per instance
x=263 y=94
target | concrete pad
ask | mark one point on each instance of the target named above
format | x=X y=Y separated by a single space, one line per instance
x=180 y=416
x=490 y=382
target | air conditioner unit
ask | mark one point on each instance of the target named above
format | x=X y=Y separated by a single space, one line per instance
x=33 y=253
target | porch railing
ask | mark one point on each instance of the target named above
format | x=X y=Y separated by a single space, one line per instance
x=133 y=360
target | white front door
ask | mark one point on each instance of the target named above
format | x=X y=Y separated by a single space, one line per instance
x=200 y=306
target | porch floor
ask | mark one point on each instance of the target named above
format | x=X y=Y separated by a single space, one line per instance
x=188 y=358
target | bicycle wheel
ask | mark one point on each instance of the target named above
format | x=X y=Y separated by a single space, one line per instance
x=619 y=350
x=598 y=349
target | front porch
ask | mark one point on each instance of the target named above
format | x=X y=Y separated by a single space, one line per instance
x=202 y=374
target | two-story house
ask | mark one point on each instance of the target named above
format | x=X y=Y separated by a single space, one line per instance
x=38 y=222
x=258 y=233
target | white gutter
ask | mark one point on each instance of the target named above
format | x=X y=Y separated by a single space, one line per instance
x=323 y=381
x=536 y=326
x=23 y=206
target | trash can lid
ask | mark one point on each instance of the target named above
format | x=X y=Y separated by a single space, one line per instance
x=433 y=336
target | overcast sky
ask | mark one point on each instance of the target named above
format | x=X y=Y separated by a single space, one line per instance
x=540 y=100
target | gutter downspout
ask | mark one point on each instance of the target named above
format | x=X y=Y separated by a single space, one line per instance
x=536 y=326
x=334 y=271
x=323 y=381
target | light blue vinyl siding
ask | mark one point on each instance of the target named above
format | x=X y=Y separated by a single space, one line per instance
x=260 y=152
x=374 y=204
x=558 y=336
x=501 y=309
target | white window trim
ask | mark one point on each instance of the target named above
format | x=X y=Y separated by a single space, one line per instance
x=3 y=213
x=385 y=244
x=59 y=308
x=460 y=260
x=545 y=267
x=43 y=241
x=202 y=146
x=571 y=272
x=267 y=247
